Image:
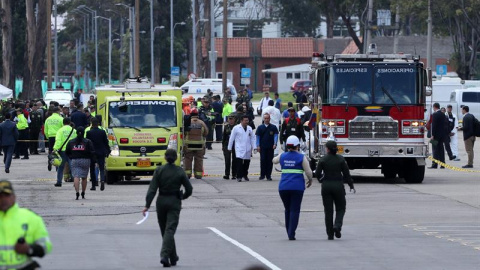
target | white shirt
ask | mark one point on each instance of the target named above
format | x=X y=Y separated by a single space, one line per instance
x=264 y=102
x=275 y=115
x=244 y=141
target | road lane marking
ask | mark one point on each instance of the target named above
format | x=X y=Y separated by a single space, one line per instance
x=245 y=248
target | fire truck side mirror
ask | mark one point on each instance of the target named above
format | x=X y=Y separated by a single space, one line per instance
x=428 y=77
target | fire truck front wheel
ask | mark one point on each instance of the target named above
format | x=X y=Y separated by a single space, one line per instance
x=414 y=173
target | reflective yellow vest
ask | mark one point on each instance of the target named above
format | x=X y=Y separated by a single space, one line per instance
x=19 y=222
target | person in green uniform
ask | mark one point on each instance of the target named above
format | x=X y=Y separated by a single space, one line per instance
x=334 y=170
x=168 y=179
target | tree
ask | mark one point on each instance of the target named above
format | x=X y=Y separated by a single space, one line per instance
x=36 y=45
x=299 y=18
x=8 y=78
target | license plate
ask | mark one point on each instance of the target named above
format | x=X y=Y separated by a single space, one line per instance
x=340 y=149
x=144 y=163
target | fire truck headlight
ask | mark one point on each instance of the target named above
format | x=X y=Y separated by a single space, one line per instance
x=415 y=123
x=331 y=123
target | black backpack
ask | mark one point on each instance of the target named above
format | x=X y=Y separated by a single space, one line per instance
x=476 y=127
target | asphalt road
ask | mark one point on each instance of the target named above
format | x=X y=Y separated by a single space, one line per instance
x=231 y=225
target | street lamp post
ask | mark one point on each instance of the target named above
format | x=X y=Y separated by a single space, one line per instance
x=122 y=32
x=131 y=26
x=86 y=35
x=55 y=44
x=109 y=47
x=153 y=39
x=94 y=12
x=152 y=30
x=171 y=42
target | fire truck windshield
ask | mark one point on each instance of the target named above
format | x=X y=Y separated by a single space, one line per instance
x=372 y=84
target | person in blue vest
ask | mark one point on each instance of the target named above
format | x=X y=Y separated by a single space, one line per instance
x=335 y=171
x=292 y=183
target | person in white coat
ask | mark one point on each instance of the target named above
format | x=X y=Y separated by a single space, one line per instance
x=453 y=123
x=264 y=103
x=244 y=139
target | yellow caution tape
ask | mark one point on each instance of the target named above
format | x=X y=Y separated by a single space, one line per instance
x=450 y=167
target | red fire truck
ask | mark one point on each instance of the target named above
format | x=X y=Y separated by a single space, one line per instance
x=373 y=106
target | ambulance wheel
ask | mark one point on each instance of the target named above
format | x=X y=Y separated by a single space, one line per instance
x=390 y=175
x=414 y=174
x=111 y=177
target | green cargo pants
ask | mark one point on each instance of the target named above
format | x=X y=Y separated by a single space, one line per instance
x=333 y=192
x=168 y=215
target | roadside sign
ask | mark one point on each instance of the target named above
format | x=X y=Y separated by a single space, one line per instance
x=244 y=81
x=175 y=71
x=441 y=69
x=175 y=78
x=246 y=72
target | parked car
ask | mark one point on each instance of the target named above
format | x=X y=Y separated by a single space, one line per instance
x=198 y=88
x=301 y=85
x=60 y=96
x=466 y=97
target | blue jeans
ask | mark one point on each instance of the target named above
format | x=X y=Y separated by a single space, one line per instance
x=7 y=155
x=292 y=200
x=65 y=159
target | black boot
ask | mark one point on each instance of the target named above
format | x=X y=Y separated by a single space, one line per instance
x=93 y=187
x=337 y=232
x=165 y=262
x=102 y=186
x=78 y=195
x=173 y=261
x=83 y=195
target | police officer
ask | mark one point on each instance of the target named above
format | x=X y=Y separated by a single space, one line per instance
x=194 y=142
x=292 y=183
x=335 y=170
x=53 y=123
x=168 y=179
x=229 y=156
x=291 y=126
x=23 y=234
x=36 y=122
x=22 y=126
x=267 y=137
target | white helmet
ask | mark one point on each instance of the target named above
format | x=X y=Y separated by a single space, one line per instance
x=293 y=141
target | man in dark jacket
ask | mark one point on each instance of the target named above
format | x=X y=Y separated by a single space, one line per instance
x=78 y=117
x=468 y=134
x=438 y=135
x=8 y=139
x=218 y=109
x=36 y=122
x=102 y=150
x=292 y=126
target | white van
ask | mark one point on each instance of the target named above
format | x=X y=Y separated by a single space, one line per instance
x=198 y=88
x=466 y=97
x=60 y=96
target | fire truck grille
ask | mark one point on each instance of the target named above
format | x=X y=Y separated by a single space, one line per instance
x=373 y=130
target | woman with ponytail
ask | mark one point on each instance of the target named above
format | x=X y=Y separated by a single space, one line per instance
x=168 y=179
x=80 y=151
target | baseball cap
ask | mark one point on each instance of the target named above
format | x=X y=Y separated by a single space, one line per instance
x=6 y=187
x=291 y=109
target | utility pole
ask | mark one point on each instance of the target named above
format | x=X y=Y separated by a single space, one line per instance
x=55 y=44
x=49 y=44
x=152 y=66
x=194 y=39
x=429 y=36
x=368 y=39
x=224 y=45
x=137 y=38
x=396 y=32
x=212 y=40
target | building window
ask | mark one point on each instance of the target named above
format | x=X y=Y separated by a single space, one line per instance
x=297 y=76
x=268 y=75
x=289 y=76
x=267 y=82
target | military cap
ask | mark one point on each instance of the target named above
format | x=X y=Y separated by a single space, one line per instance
x=6 y=187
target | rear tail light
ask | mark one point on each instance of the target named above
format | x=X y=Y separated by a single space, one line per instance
x=161 y=140
x=123 y=140
x=337 y=126
x=413 y=127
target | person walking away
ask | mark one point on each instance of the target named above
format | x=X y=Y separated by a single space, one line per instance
x=64 y=135
x=80 y=152
x=53 y=123
x=8 y=139
x=218 y=110
x=438 y=135
x=168 y=179
x=229 y=156
x=36 y=122
x=23 y=134
x=292 y=184
x=264 y=103
x=267 y=137
x=194 y=143
x=452 y=135
x=275 y=114
x=23 y=234
x=468 y=135
x=244 y=139
x=99 y=139
x=78 y=117
x=334 y=170
x=292 y=126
